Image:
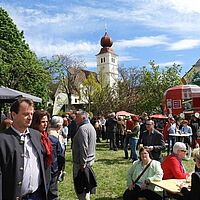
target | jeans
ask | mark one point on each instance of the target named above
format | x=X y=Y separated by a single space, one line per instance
x=126 y=142
x=169 y=140
x=133 y=145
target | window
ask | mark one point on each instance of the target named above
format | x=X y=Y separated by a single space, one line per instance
x=113 y=60
x=103 y=60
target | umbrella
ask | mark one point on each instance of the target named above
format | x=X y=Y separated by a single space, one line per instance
x=159 y=116
x=9 y=95
x=124 y=113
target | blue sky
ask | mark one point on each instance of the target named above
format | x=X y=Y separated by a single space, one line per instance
x=167 y=31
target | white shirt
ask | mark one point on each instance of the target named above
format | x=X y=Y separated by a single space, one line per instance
x=31 y=177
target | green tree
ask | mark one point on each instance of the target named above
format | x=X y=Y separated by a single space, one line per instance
x=65 y=71
x=89 y=89
x=128 y=85
x=19 y=67
x=154 y=82
x=104 y=100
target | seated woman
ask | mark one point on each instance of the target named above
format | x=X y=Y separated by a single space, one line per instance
x=194 y=193
x=140 y=187
x=172 y=165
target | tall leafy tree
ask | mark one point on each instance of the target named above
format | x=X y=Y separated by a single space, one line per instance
x=19 y=67
x=89 y=89
x=65 y=71
x=128 y=85
x=154 y=82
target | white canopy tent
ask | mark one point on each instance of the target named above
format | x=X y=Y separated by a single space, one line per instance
x=9 y=95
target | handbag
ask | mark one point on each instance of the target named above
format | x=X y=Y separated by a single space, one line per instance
x=128 y=193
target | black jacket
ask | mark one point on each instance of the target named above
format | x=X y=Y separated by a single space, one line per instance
x=156 y=140
x=194 y=194
x=12 y=163
x=85 y=180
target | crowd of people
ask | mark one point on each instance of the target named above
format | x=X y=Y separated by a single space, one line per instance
x=33 y=146
x=32 y=153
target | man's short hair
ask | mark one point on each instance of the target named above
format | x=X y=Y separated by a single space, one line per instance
x=150 y=121
x=56 y=121
x=15 y=105
x=84 y=115
x=112 y=114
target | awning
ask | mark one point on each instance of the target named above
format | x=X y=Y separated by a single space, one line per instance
x=124 y=113
x=158 y=116
x=9 y=95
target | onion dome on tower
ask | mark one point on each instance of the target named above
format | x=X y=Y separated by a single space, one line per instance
x=106 y=43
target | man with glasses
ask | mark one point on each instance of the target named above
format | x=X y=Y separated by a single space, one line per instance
x=153 y=140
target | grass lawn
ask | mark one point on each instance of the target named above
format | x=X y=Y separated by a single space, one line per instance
x=111 y=170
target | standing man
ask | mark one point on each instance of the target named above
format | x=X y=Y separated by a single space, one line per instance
x=72 y=128
x=22 y=174
x=153 y=140
x=83 y=149
x=58 y=155
x=111 y=129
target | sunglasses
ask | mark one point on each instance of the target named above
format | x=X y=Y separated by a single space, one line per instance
x=148 y=124
x=183 y=150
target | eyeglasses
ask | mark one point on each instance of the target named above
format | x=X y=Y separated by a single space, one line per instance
x=148 y=124
x=183 y=150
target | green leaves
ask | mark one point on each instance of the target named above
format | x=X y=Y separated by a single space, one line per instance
x=19 y=67
x=154 y=82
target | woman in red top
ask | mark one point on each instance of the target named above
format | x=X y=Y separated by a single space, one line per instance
x=172 y=165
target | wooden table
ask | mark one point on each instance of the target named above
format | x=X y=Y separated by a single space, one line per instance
x=171 y=185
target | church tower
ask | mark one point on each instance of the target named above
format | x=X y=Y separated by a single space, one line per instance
x=107 y=62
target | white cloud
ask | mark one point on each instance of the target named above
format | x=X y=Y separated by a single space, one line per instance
x=142 y=42
x=48 y=48
x=185 y=6
x=184 y=44
x=127 y=58
x=170 y=63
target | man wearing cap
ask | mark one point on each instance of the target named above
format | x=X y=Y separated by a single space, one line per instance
x=129 y=127
x=153 y=140
x=172 y=165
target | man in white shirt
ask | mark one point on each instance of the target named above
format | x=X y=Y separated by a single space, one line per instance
x=22 y=171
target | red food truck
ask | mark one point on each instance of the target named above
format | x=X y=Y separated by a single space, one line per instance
x=182 y=99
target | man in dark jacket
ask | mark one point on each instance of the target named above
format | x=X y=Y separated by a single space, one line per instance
x=111 y=129
x=153 y=140
x=22 y=174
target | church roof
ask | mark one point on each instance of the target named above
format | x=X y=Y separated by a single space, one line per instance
x=80 y=76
